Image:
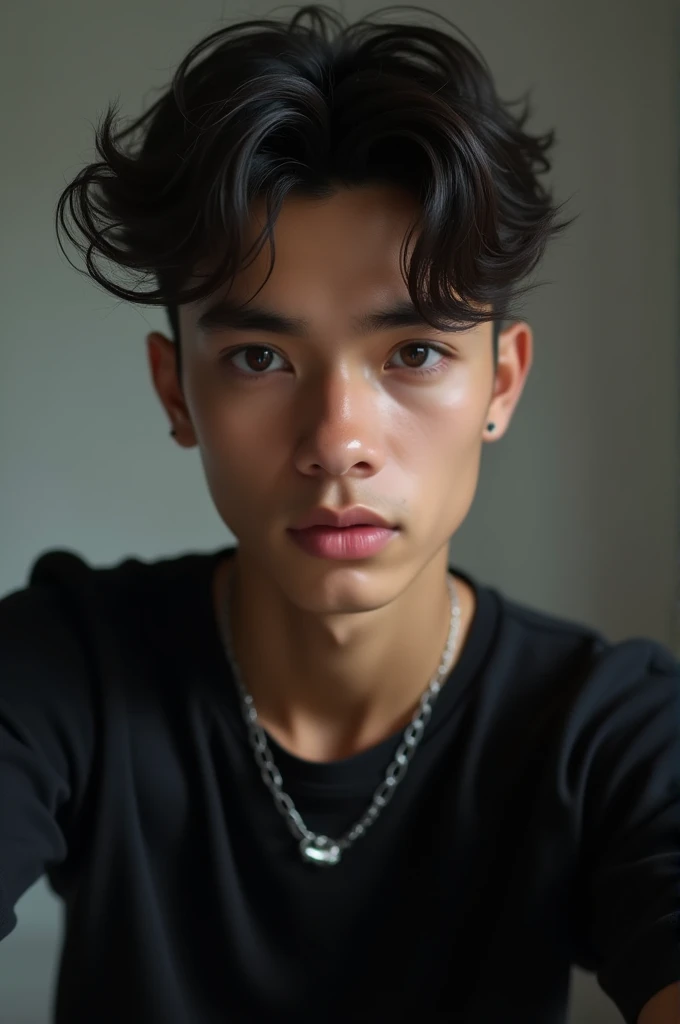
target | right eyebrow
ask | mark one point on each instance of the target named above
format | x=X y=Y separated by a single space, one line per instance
x=224 y=315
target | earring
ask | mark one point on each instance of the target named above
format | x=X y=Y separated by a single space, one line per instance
x=173 y=432
x=491 y=427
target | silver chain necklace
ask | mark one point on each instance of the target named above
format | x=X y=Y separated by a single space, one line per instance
x=320 y=849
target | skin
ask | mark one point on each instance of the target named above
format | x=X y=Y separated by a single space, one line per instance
x=337 y=654
x=663 y=1008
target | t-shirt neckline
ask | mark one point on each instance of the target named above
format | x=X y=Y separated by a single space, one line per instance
x=349 y=773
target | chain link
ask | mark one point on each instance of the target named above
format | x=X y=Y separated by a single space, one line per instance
x=411 y=737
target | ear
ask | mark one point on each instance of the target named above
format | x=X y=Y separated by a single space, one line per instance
x=162 y=358
x=515 y=356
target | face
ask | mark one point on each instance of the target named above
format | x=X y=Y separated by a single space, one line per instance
x=311 y=404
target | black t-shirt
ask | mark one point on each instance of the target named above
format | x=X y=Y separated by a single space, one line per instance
x=538 y=825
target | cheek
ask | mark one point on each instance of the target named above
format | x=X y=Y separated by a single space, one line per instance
x=227 y=422
x=438 y=447
x=238 y=481
x=242 y=447
x=448 y=470
x=441 y=426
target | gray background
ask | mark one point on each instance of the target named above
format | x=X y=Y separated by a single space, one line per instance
x=577 y=510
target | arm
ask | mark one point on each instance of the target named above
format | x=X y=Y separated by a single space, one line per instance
x=663 y=1008
x=46 y=738
x=630 y=802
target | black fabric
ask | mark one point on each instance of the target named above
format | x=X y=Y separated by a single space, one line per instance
x=537 y=827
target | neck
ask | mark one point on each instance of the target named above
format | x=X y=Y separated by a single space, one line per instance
x=327 y=687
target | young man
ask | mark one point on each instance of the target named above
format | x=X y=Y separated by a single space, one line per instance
x=321 y=774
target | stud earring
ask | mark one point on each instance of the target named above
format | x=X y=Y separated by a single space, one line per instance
x=173 y=432
x=491 y=427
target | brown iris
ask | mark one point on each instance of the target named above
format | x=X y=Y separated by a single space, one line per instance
x=258 y=358
x=422 y=350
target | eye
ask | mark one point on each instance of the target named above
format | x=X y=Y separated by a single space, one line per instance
x=417 y=356
x=255 y=360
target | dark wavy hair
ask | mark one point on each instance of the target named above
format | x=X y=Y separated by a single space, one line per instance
x=264 y=109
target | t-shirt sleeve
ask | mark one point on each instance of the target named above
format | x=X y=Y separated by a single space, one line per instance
x=46 y=738
x=632 y=824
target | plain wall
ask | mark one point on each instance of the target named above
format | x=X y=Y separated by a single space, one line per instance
x=577 y=510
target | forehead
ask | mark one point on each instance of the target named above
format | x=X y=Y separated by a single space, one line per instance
x=333 y=257
x=355 y=231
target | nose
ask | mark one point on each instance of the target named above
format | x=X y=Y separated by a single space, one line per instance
x=341 y=433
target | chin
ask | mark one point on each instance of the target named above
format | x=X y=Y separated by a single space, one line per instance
x=326 y=586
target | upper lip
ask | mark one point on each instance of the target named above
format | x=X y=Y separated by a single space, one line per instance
x=355 y=516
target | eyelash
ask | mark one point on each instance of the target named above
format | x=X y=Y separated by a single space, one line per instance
x=447 y=357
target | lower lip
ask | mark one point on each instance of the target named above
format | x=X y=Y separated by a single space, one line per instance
x=343 y=543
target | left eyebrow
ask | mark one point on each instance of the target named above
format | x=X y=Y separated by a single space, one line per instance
x=401 y=314
x=224 y=315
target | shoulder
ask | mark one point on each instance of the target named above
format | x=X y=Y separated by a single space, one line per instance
x=554 y=638
x=573 y=676
x=46 y=693
x=36 y=624
x=74 y=612
x=52 y=618
x=70 y=573
x=133 y=586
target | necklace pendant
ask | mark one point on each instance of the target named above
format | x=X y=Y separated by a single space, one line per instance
x=320 y=850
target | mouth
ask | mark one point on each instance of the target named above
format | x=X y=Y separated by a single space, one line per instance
x=356 y=516
x=341 y=543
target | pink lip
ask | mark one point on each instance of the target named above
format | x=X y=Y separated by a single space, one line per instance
x=357 y=515
x=349 y=542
